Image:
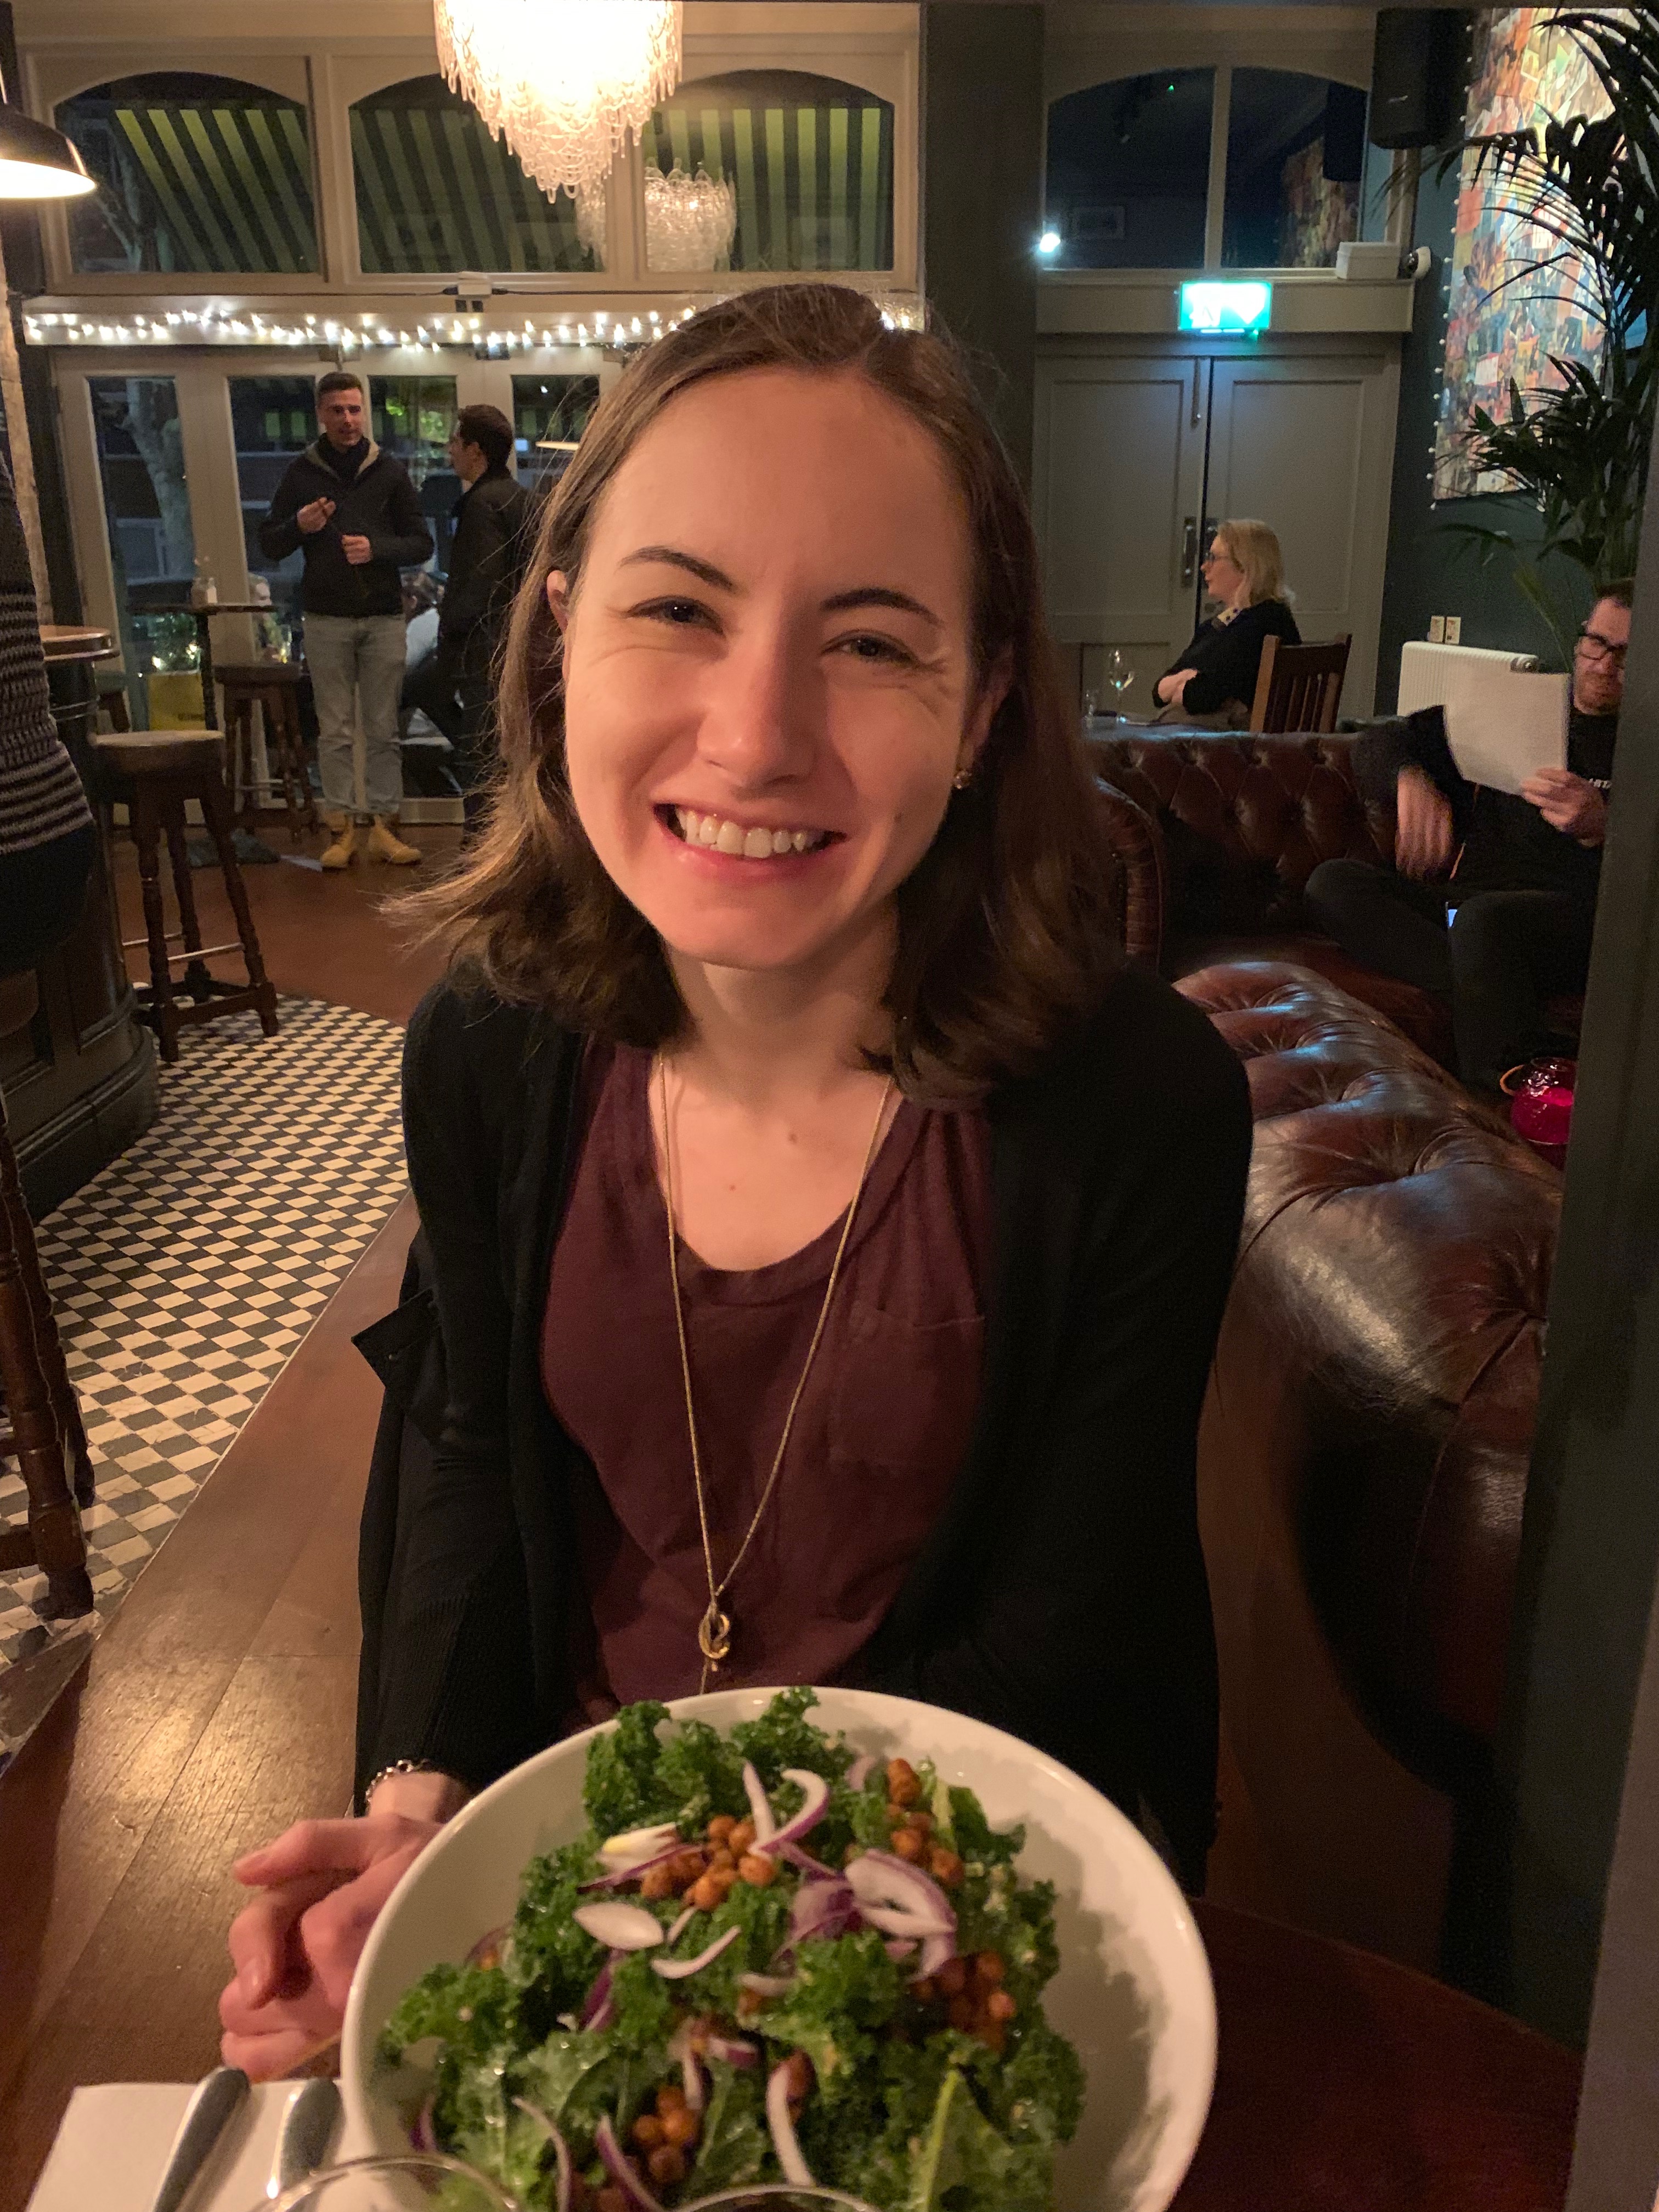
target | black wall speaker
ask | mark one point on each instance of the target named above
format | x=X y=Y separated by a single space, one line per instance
x=1417 y=75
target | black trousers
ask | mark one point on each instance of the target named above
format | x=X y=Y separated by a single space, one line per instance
x=1503 y=955
x=452 y=689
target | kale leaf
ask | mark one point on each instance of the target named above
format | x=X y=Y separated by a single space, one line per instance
x=842 y=1991
x=735 y=2144
x=622 y=1791
x=783 y=1736
x=703 y=1775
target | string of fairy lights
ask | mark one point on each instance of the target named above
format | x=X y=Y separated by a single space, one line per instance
x=210 y=326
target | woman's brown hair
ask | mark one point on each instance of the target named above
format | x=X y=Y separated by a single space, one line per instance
x=1006 y=934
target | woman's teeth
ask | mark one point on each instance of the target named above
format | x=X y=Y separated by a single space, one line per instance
x=730 y=837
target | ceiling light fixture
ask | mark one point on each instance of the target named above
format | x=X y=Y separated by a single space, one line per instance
x=563 y=82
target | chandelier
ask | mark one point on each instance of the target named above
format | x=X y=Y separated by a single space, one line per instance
x=690 y=221
x=563 y=82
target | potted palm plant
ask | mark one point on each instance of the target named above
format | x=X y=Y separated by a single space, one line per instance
x=1589 y=186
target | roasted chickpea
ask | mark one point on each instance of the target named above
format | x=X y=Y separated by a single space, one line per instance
x=667 y=2165
x=962 y=2014
x=989 y=1969
x=994 y=2035
x=904 y=1783
x=720 y=1828
x=705 y=1894
x=725 y=1880
x=741 y=1839
x=670 y=2098
x=647 y=2132
x=659 y=1882
x=611 y=2199
x=952 y=1977
x=680 y=2128
x=759 y=1872
x=999 y=2005
x=749 y=2003
x=945 y=1867
x=797 y=2068
x=719 y=1858
x=924 y=1992
x=908 y=1844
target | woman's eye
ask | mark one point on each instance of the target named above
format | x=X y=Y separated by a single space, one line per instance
x=682 y=614
x=865 y=647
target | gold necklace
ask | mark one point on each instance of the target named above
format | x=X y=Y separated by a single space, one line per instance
x=715 y=1629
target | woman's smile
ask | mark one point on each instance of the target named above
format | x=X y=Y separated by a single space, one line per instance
x=733 y=840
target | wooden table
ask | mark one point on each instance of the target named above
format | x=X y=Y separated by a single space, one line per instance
x=1348 y=2084
x=68 y=641
x=203 y=617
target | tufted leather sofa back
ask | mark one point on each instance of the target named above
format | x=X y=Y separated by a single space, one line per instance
x=1365 y=1447
x=1246 y=819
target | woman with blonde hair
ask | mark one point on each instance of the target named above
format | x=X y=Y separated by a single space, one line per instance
x=1213 y=681
x=824 y=1232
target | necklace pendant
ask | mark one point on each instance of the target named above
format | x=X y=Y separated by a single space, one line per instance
x=714 y=1634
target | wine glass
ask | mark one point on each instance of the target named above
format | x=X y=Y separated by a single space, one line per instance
x=1090 y=705
x=1120 y=674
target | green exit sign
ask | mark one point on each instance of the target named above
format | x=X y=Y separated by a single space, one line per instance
x=1227 y=309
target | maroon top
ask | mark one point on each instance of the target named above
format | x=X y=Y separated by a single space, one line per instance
x=881 y=1433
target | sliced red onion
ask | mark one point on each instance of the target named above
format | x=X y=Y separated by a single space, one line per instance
x=676 y=1970
x=634 y=1845
x=420 y=2132
x=733 y=2051
x=896 y=1949
x=879 y=1880
x=619 y=1927
x=795 y=2168
x=601 y=2007
x=859 y=1772
x=691 y=2075
x=561 y=2152
x=760 y=1810
x=767 y=1985
x=894 y=1920
x=678 y=1928
x=936 y=1952
x=620 y=1879
x=611 y=2151
x=489 y=1949
x=815 y=1792
x=821 y=1908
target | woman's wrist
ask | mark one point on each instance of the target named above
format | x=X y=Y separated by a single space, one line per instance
x=426 y=1795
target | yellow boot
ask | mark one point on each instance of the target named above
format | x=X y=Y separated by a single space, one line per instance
x=385 y=844
x=345 y=844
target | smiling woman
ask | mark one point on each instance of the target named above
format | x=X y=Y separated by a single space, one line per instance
x=824 y=1233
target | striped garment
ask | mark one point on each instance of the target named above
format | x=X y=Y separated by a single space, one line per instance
x=41 y=798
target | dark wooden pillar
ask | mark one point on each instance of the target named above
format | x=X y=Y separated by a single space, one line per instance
x=1589 y=1552
x=983 y=135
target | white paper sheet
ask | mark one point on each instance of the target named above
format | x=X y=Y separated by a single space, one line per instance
x=1504 y=725
x=114 y=2141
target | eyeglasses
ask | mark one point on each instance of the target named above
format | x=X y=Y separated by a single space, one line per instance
x=1602 y=648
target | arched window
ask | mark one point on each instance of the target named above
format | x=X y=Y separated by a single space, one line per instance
x=197 y=175
x=1295 y=144
x=802 y=165
x=1128 y=172
x=436 y=192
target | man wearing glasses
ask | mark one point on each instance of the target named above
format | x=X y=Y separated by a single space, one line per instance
x=1492 y=900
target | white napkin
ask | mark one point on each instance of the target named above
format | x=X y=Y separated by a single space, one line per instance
x=112 y=2147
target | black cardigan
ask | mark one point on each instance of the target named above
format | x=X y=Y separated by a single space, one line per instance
x=1062 y=1595
x=1228 y=656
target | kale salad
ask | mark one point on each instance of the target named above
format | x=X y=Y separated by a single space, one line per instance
x=769 y=1960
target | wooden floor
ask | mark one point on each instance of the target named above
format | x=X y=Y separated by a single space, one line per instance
x=218 y=1705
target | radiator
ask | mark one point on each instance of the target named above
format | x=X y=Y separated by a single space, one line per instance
x=1425 y=671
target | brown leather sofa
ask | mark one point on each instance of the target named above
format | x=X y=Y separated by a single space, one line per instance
x=1364 y=1458
x=1244 y=821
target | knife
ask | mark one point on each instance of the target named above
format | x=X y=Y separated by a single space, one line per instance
x=307 y=2129
x=218 y=2100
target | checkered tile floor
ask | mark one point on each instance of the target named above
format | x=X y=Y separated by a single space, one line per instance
x=185 y=1274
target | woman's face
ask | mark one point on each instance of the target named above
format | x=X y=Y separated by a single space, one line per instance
x=1223 y=577
x=768 y=671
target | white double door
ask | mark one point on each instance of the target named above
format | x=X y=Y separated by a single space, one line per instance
x=1141 y=450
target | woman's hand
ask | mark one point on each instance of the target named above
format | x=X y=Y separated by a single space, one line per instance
x=1172 y=689
x=1423 y=825
x=296 y=1947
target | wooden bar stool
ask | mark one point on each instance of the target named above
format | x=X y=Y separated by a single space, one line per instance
x=154 y=772
x=41 y=1428
x=273 y=686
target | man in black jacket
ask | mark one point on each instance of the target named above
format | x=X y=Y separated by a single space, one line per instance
x=492 y=520
x=354 y=514
x=1492 y=901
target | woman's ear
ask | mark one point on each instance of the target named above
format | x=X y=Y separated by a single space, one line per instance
x=558 y=600
x=991 y=693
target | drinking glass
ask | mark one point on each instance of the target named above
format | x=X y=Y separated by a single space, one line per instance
x=1090 y=705
x=1118 y=674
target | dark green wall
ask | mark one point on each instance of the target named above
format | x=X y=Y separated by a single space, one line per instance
x=982 y=140
x=1429 y=571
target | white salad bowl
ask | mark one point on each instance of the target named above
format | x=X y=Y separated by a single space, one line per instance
x=1133 y=1993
